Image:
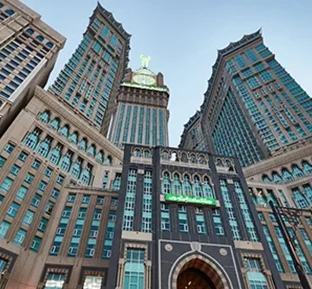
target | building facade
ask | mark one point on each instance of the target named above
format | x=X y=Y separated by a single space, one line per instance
x=186 y=221
x=250 y=92
x=142 y=110
x=89 y=81
x=28 y=51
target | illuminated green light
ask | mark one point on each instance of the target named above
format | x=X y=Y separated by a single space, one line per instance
x=191 y=200
x=151 y=87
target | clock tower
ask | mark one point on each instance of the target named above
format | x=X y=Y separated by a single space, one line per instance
x=141 y=115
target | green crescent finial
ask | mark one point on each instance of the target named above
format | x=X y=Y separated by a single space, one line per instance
x=145 y=60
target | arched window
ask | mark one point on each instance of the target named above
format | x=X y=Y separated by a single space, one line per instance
x=108 y=160
x=30 y=31
x=100 y=157
x=261 y=199
x=187 y=187
x=83 y=144
x=76 y=170
x=40 y=38
x=271 y=197
x=177 y=188
x=198 y=191
x=137 y=153
x=55 y=155
x=32 y=139
x=287 y=176
x=9 y=12
x=266 y=179
x=166 y=186
x=45 y=116
x=184 y=158
x=66 y=162
x=208 y=191
x=308 y=192
x=193 y=159
x=55 y=123
x=276 y=178
x=147 y=154
x=86 y=175
x=202 y=160
x=65 y=131
x=228 y=163
x=297 y=173
x=299 y=199
x=50 y=44
x=307 y=168
x=219 y=163
x=74 y=137
x=44 y=147
x=91 y=150
x=165 y=156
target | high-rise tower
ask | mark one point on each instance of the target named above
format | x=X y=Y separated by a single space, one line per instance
x=89 y=81
x=28 y=51
x=253 y=108
x=141 y=115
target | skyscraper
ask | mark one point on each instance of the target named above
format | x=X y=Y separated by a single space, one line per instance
x=89 y=81
x=142 y=114
x=28 y=51
x=251 y=93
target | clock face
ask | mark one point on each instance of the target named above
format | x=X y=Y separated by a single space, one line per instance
x=144 y=79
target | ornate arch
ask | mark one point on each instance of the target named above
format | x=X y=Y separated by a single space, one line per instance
x=203 y=264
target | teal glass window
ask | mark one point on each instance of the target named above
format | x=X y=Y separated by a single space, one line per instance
x=208 y=191
x=183 y=222
x=105 y=32
x=83 y=144
x=76 y=170
x=74 y=137
x=255 y=275
x=55 y=123
x=86 y=175
x=134 y=269
x=297 y=173
x=2 y=161
x=116 y=183
x=20 y=237
x=230 y=210
x=55 y=281
x=42 y=186
x=177 y=187
x=32 y=139
x=28 y=218
x=91 y=150
x=198 y=191
x=299 y=199
x=200 y=222
x=12 y=210
x=130 y=201
x=165 y=217
x=55 y=193
x=147 y=126
x=100 y=157
x=286 y=175
x=307 y=168
x=276 y=178
x=43 y=224
x=21 y=193
x=308 y=192
x=36 y=164
x=187 y=187
x=306 y=239
x=23 y=156
x=251 y=56
x=44 y=147
x=9 y=148
x=29 y=178
x=219 y=230
x=66 y=162
x=45 y=116
x=147 y=203
x=240 y=61
x=36 y=200
x=56 y=154
x=35 y=244
x=166 y=184
x=6 y=185
x=4 y=228
x=15 y=169
x=65 y=131
x=109 y=235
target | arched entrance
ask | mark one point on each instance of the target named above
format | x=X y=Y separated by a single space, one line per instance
x=198 y=272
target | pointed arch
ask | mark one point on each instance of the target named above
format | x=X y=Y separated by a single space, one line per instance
x=45 y=116
x=177 y=187
x=32 y=139
x=299 y=199
x=208 y=191
x=307 y=168
x=74 y=137
x=44 y=146
x=108 y=161
x=56 y=154
x=55 y=123
x=91 y=150
x=276 y=177
x=197 y=188
x=64 y=131
x=166 y=183
x=187 y=186
x=266 y=179
x=286 y=175
x=193 y=159
x=66 y=162
x=100 y=157
x=297 y=172
x=165 y=155
x=86 y=175
x=83 y=144
x=77 y=167
x=219 y=162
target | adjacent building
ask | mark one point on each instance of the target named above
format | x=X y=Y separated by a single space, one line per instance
x=249 y=92
x=28 y=51
x=142 y=109
x=89 y=81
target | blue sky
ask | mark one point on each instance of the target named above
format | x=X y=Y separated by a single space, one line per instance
x=183 y=36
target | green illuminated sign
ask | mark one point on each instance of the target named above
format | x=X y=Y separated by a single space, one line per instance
x=191 y=200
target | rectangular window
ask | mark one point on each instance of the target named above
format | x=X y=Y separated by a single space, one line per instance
x=4 y=228
x=20 y=236
x=9 y=148
x=12 y=211
x=28 y=218
x=55 y=281
x=7 y=183
x=23 y=156
x=36 y=164
x=134 y=270
x=14 y=170
x=183 y=222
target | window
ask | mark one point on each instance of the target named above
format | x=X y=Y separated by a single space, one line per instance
x=23 y=156
x=217 y=222
x=14 y=170
x=48 y=172
x=55 y=193
x=55 y=124
x=43 y=225
x=200 y=222
x=55 y=281
x=134 y=270
x=74 y=137
x=20 y=236
x=29 y=178
x=93 y=282
x=2 y=161
x=71 y=198
x=36 y=200
x=183 y=222
x=60 y=179
x=35 y=244
x=28 y=218
x=4 y=228
x=49 y=207
x=7 y=183
x=36 y=164
x=166 y=184
x=32 y=139
x=255 y=275
x=9 y=148
x=44 y=147
x=42 y=186
x=12 y=211
x=21 y=193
